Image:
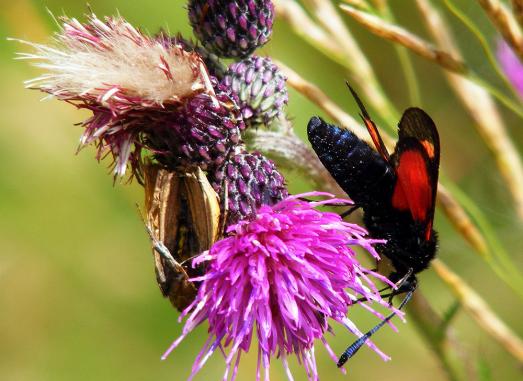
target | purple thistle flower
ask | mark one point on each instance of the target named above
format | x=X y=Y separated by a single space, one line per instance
x=511 y=65
x=281 y=277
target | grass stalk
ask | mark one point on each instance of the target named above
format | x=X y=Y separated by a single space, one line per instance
x=397 y=34
x=359 y=66
x=483 y=43
x=482 y=109
x=480 y=311
x=349 y=56
x=505 y=23
x=445 y=59
x=517 y=10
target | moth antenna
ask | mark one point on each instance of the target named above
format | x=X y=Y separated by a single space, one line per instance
x=364 y=114
x=355 y=347
x=158 y=245
x=371 y=126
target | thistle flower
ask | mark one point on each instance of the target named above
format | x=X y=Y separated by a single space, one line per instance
x=231 y=28
x=281 y=277
x=127 y=79
x=251 y=180
x=511 y=65
x=258 y=87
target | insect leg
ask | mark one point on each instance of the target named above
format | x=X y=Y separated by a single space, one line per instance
x=379 y=291
x=350 y=211
x=403 y=281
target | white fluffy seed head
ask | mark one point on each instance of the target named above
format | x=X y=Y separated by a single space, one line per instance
x=111 y=62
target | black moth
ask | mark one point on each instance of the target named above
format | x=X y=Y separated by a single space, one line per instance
x=397 y=192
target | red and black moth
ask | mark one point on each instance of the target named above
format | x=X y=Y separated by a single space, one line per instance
x=397 y=192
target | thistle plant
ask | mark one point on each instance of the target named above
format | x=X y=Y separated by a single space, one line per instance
x=202 y=123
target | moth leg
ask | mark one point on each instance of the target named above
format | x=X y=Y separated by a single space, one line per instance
x=406 y=283
x=379 y=291
x=350 y=211
x=331 y=204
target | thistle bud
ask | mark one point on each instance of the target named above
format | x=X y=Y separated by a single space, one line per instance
x=259 y=88
x=232 y=28
x=247 y=181
x=201 y=133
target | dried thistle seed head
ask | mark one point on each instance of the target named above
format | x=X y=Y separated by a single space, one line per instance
x=200 y=134
x=123 y=76
x=215 y=67
x=184 y=215
x=232 y=28
x=112 y=63
x=259 y=88
x=248 y=181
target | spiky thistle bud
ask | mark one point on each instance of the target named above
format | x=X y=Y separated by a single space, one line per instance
x=201 y=133
x=248 y=180
x=232 y=28
x=258 y=86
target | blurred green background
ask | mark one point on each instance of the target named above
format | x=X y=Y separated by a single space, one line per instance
x=78 y=298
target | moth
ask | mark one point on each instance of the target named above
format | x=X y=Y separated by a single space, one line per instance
x=397 y=192
x=183 y=219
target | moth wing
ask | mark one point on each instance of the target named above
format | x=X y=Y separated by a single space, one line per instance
x=417 y=124
x=416 y=162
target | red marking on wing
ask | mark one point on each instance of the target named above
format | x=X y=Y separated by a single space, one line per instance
x=413 y=188
x=428 y=230
x=376 y=138
x=429 y=148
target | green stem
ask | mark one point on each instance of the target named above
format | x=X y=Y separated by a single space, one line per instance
x=405 y=63
x=497 y=258
x=410 y=75
x=427 y=322
x=510 y=104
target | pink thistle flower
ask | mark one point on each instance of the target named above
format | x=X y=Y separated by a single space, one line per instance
x=281 y=276
x=127 y=79
x=511 y=65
